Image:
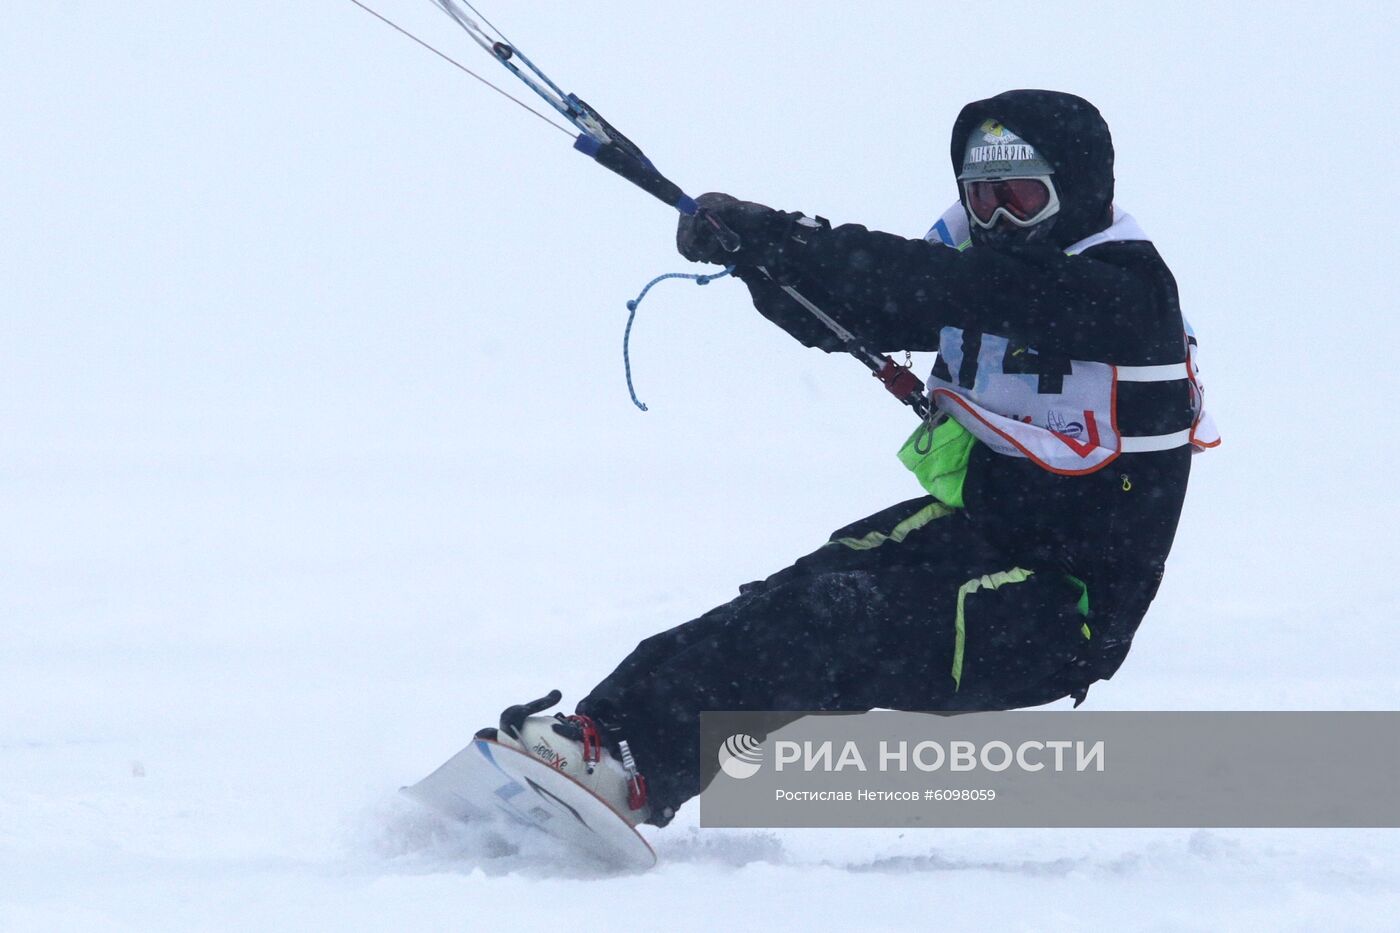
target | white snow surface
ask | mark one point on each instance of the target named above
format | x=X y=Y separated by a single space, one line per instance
x=315 y=450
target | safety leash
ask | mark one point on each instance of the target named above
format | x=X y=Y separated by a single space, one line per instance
x=632 y=316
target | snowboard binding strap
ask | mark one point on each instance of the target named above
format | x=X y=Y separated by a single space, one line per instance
x=589 y=737
x=636 y=782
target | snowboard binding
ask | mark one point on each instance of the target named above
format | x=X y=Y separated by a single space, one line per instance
x=575 y=746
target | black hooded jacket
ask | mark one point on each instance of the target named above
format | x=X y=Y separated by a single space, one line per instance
x=1113 y=303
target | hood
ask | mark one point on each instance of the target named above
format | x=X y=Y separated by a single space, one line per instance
x=1071 y=135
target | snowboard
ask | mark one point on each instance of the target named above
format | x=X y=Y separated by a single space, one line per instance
x=488 y=779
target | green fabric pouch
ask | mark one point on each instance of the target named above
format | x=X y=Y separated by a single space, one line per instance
x=939 y=460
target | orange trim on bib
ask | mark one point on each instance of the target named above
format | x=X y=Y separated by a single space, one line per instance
x=1026 y=453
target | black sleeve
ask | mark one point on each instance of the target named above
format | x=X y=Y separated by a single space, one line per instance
x=897 y=293
x=774 y=304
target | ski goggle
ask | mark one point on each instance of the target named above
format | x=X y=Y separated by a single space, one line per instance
x=1023 y=201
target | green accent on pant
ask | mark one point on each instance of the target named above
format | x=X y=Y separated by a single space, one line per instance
x=873 y=539
x=1083 y=605
x=991 y=581
x=942 y=468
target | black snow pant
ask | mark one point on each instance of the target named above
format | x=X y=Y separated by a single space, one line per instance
x=908 y=609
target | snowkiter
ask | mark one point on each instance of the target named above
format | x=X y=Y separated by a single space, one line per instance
x=1069 y=408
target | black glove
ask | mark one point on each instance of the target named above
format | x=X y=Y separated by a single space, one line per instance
x=765 y=235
